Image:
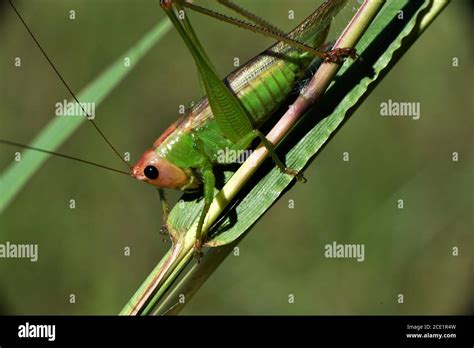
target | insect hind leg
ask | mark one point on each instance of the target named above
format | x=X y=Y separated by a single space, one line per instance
x=338 y=55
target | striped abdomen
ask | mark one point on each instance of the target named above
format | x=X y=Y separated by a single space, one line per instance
x=262 y=84
x=266 y=81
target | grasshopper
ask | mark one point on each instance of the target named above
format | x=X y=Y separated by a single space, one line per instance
x=229 y=116
x=234 y=109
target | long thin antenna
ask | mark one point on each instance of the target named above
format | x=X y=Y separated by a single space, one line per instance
x=67 y=86
x=12 y=143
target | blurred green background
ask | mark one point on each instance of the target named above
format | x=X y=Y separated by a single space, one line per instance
x=81 y=251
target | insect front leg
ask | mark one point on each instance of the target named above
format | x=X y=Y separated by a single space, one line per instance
x=166 y=211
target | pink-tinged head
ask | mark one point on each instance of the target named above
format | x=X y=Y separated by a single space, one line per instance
x=155 y=170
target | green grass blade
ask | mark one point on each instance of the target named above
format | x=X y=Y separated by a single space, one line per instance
x=61 y=128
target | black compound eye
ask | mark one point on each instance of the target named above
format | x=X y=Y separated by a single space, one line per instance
x=151 y=172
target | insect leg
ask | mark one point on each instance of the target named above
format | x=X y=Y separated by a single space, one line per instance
x=271 y=150
x=166 y=211
x=209 y=181
x=245 y=142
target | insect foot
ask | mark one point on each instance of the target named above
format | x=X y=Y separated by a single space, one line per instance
x=166 y=4
x=295 y=173
x=198 y=254
x=165 y=233
x=300 y=177
x=164 y=230
x=168 y=235
x=338 y=55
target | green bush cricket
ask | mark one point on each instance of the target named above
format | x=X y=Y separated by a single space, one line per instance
x=229 y=117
